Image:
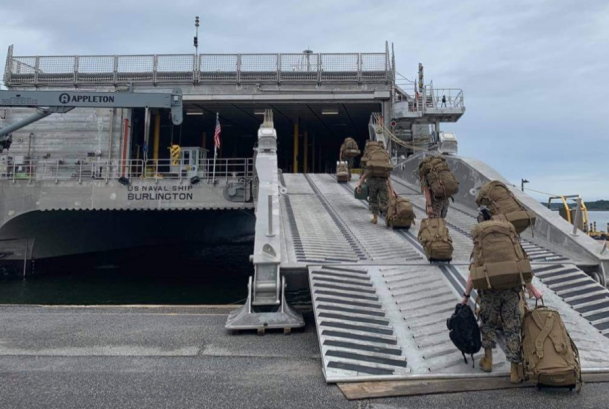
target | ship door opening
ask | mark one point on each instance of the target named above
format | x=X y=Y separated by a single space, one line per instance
x=309 y=134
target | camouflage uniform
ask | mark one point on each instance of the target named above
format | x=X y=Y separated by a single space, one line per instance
x=349 y=161
x=440 y=206
x=378 y=195
x=501 y=307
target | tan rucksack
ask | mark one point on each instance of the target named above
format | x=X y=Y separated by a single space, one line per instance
x=342 y=172
x=499 y=260
x=399 y=212
x=502 y=204
x=371 y=146
x=435 y=173
x=350 y=148
x=435 y=239
x=550 y=357
x=379 y=164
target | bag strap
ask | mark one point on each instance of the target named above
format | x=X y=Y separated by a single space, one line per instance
x=559 y=344
x=522 y=282
x=577 y=362
x=478 y=309
x=488 y=281
x=547 y=328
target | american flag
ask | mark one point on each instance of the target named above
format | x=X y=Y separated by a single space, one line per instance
x=217 y=132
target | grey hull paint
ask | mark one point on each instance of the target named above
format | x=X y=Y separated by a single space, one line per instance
x=64 y=233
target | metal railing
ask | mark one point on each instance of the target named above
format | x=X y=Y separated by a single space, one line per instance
x=449 y=98
x=158 y=170
x=204 y=68
x=444 y=98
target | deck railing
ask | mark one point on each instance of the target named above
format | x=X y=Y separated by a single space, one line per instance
x=106 y=170
x=203 y=68
x=445 y=98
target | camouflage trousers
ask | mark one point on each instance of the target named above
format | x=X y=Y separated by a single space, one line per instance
x=501 y=307
x=378 y=195
x=440 y=207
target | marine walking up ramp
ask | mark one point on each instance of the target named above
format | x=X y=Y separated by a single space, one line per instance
x=381 y=308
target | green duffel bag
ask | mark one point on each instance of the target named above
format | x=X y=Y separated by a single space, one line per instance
x=364 y=193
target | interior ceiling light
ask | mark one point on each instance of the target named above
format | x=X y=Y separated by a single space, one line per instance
x=329 y=111
x=258 y=112
x=194 y=112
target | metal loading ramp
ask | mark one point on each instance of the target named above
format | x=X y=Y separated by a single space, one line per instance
x=380 y=308
x=382 y=322
x=389 y=322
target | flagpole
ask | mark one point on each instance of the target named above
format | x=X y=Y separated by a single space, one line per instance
x=213 y=177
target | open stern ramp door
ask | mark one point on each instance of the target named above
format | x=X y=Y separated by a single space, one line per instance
x=383 y=322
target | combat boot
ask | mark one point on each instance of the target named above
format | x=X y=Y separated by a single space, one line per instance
x=515 y=373
x=374 y=219
x=486 y=363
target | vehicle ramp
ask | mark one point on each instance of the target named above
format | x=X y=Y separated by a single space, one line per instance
x=389 y=322
x=382 y=322
x=381 y=309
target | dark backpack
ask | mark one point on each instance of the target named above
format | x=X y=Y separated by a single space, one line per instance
x=464 y=331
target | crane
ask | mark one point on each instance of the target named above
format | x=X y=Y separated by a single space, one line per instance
x=60 y=102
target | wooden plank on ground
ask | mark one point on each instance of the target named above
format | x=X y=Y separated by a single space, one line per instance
x=385 y=389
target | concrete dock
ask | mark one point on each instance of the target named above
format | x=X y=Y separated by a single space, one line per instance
x=182 y=357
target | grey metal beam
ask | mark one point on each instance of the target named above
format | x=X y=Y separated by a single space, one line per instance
x=46 y=99
x=40 y=114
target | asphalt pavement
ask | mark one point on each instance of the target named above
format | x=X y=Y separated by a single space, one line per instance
x=180 y=357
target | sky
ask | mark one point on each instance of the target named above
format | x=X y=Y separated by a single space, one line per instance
x=534 y=72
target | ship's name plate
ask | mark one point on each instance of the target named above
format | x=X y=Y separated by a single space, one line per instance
x=138 y=193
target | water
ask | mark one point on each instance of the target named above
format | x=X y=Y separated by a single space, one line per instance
x=600 y=217
x=181 y=275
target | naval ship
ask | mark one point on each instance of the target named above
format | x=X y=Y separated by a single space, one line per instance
x=102 y=148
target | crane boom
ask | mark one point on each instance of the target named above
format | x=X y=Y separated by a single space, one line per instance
x=50 y=102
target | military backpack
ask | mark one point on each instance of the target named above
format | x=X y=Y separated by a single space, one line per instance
x=370 y=147
x=436 y=240
x=550 y=357
x=350 y=148
x=435 y=173
x=504 y=206
x=499 y=262
x=342 y=172
x=464 y=331
x=379 y=164
x=400 y=213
